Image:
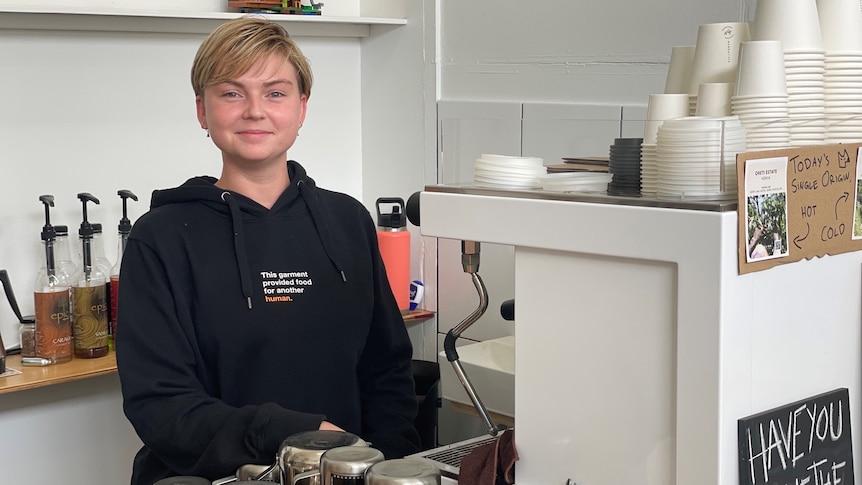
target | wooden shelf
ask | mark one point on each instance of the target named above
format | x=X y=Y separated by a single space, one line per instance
x=152 y=21
x=75 y=369
x=417 y=316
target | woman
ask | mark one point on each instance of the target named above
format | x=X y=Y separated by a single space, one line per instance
x=256 y=305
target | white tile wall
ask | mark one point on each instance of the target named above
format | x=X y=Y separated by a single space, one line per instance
x=468 y=129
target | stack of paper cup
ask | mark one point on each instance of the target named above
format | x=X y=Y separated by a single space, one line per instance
x=761 y=100
x=660 y=107
x=713 y=99
x=796 y=24
x=841 y=25
x=715 y=56
x=679 y=69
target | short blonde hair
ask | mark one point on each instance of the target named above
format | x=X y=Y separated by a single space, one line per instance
x=236 y=45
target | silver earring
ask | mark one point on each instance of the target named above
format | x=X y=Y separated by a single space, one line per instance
x=208 y=133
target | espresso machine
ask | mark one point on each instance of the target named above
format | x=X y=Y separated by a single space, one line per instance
x=638 y=344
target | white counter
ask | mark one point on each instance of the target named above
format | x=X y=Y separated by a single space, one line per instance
x=638 y=345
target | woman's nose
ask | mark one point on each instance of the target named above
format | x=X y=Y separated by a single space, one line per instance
x=254 y=108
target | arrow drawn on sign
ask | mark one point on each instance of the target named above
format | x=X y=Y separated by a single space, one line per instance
x=843 y=158
x=797 y=239
x=844 y=196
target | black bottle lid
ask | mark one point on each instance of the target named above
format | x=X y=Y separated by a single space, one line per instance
x=395 y=219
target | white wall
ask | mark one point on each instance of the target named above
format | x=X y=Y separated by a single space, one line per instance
x=73 y=433
x=612 y=51
x=97 y=112
x=101 y=111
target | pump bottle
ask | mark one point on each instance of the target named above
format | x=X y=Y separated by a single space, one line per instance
x=89 y=295
x=52 y=298
x=105 y=267
x=63 y=250
x=393 y=238
x=124 y=228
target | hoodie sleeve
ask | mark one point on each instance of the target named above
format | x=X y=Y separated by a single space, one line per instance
x=385 y=371
x=167 y=395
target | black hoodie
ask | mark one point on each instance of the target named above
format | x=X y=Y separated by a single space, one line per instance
x=240 y=326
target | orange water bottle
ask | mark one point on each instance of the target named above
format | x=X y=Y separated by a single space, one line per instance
x=394 y=241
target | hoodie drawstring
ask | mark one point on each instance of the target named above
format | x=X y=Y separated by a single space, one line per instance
x=320 y=224
x=239 y=245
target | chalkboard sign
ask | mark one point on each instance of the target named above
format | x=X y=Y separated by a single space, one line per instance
x=804 y=443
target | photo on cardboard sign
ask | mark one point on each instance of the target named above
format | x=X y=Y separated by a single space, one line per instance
x=766 y=216
x=857 y=206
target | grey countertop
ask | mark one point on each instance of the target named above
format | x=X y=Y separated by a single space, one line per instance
x=712 y=205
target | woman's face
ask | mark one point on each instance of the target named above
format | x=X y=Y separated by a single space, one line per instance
x=254 y=119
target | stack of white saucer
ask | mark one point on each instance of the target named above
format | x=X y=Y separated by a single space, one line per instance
x=508 y=172
x=585 y=182
x=697 y=157
x=660 y=107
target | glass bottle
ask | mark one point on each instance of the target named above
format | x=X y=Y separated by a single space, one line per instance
x=63 y=250
x=52 y=298
x=106 y=267
x=89 y=295
x=123 y=230
x=27 y=333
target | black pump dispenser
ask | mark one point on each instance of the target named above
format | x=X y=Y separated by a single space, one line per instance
x=86 y=233
x=49 y=235
x=125 y=226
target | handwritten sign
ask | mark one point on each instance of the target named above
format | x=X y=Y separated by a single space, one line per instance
x=804 y=443
x=798 y=203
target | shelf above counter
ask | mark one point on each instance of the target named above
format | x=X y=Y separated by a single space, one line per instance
x=171 y=22
x=74 y=370
x=77 y=369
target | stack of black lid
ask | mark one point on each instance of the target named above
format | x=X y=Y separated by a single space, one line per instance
x=624 y=162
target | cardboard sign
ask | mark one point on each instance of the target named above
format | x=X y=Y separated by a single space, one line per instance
x=798 y=203
x=804 y=443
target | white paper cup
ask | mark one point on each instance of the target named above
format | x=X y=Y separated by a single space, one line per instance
x=840 y=25
x=717 y=53
x=794 y=22
x=713 y=99
x=761 y=70
x=661 y=107
x=679 y=69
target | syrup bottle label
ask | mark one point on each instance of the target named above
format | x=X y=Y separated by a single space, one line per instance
x=54 y=326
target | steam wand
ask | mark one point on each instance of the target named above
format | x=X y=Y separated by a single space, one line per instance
x=470 y=263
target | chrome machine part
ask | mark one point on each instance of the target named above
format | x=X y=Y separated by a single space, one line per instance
x=470 y=262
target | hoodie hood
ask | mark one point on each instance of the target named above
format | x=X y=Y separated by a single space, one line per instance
x=238 y=207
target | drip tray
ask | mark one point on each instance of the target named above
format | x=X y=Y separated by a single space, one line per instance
x=448 y=458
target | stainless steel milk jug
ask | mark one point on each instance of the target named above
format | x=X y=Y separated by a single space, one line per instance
x=403 y=471
x=344 y=466
x=301 y=453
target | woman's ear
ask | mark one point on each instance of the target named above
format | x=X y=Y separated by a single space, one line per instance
x=201 y=111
